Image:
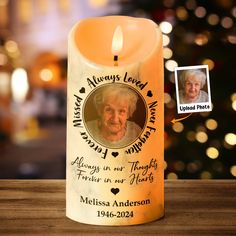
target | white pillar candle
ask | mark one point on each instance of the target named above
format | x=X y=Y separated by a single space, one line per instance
x=115 y=122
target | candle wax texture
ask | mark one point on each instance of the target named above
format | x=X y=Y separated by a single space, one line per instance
x=115 y=122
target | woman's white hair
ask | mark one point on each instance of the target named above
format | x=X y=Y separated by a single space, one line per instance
x=197 y=73
x=120 y=92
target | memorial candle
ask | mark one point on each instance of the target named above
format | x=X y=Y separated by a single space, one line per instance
x=115 y=122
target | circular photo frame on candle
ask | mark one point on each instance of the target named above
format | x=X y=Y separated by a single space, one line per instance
x=115 y=115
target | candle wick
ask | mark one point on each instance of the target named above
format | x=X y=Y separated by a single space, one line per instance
x=115 y=60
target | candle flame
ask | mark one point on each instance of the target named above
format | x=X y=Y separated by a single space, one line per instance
x=117 y=41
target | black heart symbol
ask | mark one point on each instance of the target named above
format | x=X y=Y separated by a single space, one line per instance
x=149 y=93
x=115 y=190
x=115 y=154
x=82 y=90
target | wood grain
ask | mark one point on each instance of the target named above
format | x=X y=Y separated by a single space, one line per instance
x=192 y=207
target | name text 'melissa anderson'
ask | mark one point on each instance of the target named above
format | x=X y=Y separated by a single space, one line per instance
x=126 y=203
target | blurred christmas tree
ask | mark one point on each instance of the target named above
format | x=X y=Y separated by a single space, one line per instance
x=196 y=33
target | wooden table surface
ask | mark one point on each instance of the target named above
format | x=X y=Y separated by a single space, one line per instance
x=192 y=207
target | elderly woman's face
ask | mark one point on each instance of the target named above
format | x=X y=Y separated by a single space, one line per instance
x=114 y=115
x=192 y=88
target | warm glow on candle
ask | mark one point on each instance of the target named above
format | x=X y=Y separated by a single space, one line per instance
x=117 y=41
x=117 y=73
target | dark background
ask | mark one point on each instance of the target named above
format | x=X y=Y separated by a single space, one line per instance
x=34 y=37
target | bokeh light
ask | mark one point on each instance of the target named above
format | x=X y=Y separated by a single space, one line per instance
x=212 y=152
x=165 y=165
x=165 y=27
x=172 y=175
x=233 y=170
x=11 y=46
x=227 y=22
x=209 y=62
x=191 y=4
x=178 y=127
x=213 y=19
x=201 y=137
x=200 y=12
x=230 y=138
x=166 y=40
x=19 y=85
x=201 y=39
x=211 y=124
x=167 y=98
x=231 y=38
x=233 y=11
x=46 y=74
x=194 y=166
x=171 y=104
x=206 y=175
x=170 y=65
x=182 y=13
x=167 y=53
x=179 y=165
x=234 y=105
x=233 y=97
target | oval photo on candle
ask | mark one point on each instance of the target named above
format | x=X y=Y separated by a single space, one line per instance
x=115 y=115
